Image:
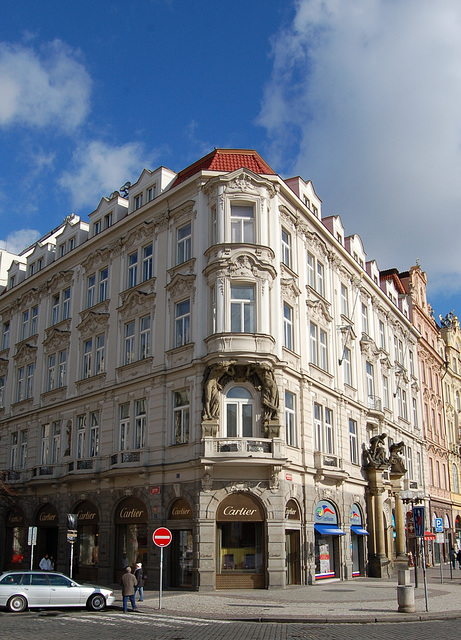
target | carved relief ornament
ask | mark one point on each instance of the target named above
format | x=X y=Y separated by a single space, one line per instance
x=56 y=339
x=180 y=285
x=93 y=323
x=136 y=302
x=25 y=354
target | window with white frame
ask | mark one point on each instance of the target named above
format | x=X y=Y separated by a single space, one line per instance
x=136 y=340
x=140 y=423
x=29 y=325
x=103 y=284
x=315 y=274
x=93 y=354
x=385 y=381
x=181 y=416
x=56 y=371
x=353 y=441
x=151 y=192
x=242 y=223
x=24 y=382
x=138 y=201
x=18 y=450
x=45 y=444
x=239 y=413
x=398 y=349
x=290 y=419
x=344 y=301
x=318 y=346
x=132 y=279
x=288 y=327
x=60 y=306
x=14 y=450
x=55 y=442
x=286 y=248
x=91 y=291
x=455 y=474
x=128 y=341
x=365 y=328
x=2 y=391
x=382 y=335
x=97 y=227
x=403 y=405
x=182 y=323
x=370 y=381
x=124 y=426
x=242 y=308
x=415 y=411
x=132 y=438
x=347 y=364
x=323 y=429
x=139 y=266
x=5 y=335
x=81 y=436
x=409 y=462
x=94 y=434
x=184 y=243
x=108 y=220
x=412 y=362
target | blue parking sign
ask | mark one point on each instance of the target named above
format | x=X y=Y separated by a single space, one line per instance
x=418 y=518
x=438 y=525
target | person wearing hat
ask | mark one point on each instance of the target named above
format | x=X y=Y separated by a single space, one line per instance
x=140 y=580
x=128 y=590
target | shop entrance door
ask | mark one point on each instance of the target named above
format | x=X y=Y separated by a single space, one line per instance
x=181 y=559
x=292 y=550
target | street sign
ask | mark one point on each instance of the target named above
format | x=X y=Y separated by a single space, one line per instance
x=32 y=539
x=418 y=519
x=440 y=538
x=162 y=537
x=438 y=525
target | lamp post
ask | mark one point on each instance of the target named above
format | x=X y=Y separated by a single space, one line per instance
x=410 y=496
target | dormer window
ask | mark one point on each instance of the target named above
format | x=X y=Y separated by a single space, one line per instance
x=108 y=220
x=138 y=201
x=97 y=228
x=151 y=193
x=62 y=250
x=39 y=264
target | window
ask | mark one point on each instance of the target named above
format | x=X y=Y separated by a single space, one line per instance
x=60 y=306
x=138 y=201
x=144 y=259
x=45 y=444
x=56 y=374
x=81 y=436
x=183 y=243
x=181 y=416
x=56 y=442
x=93 y=351
x=370 y=381
x=242 y=223
x=91 y=291
x=128 y=350
x=353 y=441
x=147 y=253
x=347 y=362
x=29 y=322
x=344 y=301
x=25 y=381
x=150 y=194
x=18 y=450
x=132 y=270
x=415 y=412
x=398 y=349
x=365 y=319
x=103 y=284
x=239 y=413
x=287 y=327
x=409 y=462
x=286 y=248
x=290 y=419
x=108 y=220
x=2 y=391
x=97 y=227
x=6 y=335
x=412 y=363
x=136 y=340
x=139 y=431
x=182 y=323
x=144 y=337
x=318 y=346
x=315 y=274
x=455 y=474
x=323 y=427
x=94 y=434
x=242 y=308
x=124 y=426
x=403 y=405
x=385 y=391
x=382 y=335
x=14 y=450
x=140 y=422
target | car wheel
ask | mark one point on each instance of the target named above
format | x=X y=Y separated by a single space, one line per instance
x=96 y=602
x=16 y=604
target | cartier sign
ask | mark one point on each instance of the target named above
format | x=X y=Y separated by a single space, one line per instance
x=87 y=513
x=15 y=518
x=132 y=511
x=292 y=511
x=240 y=507
x=181 y=510
x=47 y=516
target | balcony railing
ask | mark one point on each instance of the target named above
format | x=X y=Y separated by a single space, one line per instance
x=375 y=403
x=242 y=447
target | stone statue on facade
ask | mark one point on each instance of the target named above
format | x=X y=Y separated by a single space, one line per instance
x=211 y=389
x=376 y=455
x=269 y=395
x=448 y=321
x=396 y=458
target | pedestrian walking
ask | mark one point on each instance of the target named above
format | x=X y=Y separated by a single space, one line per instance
x=45 y=564
x=458 y=557
x=141 y=578
x=453 y=557
x=128 y=590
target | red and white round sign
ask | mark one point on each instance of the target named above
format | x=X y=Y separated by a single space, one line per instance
x=162 y=537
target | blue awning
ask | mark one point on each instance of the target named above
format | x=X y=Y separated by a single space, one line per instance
x=329 y=530
x=359 y=530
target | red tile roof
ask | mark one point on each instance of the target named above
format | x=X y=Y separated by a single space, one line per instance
x=226 y=160
x=393 y=274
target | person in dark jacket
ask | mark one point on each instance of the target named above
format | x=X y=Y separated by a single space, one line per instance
x=140 y=580
x=458 y=557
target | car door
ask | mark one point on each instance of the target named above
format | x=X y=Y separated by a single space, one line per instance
x=62 y=593
x=37 y=589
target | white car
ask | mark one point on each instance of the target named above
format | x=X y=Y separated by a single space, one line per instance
x=22 y=589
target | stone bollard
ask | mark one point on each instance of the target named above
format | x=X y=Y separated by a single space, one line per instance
x=405 y=593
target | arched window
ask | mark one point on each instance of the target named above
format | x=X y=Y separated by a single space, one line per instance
x=239 y=413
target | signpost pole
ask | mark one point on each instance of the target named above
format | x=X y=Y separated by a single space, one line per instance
x=416 y=561
x=32 y=541
x=161 y=579
x=424 y=574
x=162 y=538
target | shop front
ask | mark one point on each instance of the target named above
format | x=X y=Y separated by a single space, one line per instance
x=182 y=547
x=358 y=534
x=86 y=551
x=327 y=535
x=240 y=543
x=47 y=522
x=16 y=540
x=131 y=535
x=293 y=542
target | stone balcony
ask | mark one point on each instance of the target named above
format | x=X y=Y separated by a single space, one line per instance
x=254 y=450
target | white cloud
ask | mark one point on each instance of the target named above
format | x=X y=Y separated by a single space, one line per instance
x=99 y=169
x=365 y=100
x=19 y=240
x=43 y=88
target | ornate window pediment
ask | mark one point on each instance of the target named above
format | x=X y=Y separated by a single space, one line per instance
x=60 y=280
x=290 y=290
x=318 y=309
x=136 y=302
x=140 y=235
x=56 y=339
x=25 y=353
x=181 y=285
x=93 y=323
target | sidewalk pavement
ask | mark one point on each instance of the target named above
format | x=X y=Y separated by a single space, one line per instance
x=358 y=600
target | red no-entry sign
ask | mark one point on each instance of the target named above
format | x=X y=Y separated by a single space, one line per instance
x=162 y=537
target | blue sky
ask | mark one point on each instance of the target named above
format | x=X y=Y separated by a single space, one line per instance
x=363 y=98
